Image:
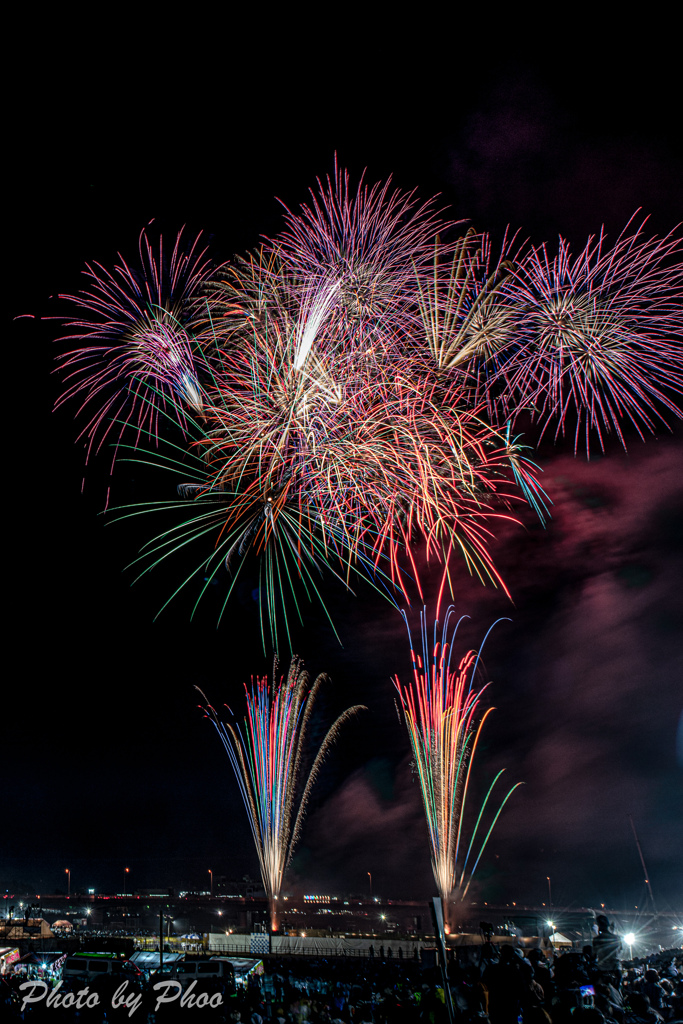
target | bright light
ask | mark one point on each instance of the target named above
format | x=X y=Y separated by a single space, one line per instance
x=629 y=939
x=551 y=924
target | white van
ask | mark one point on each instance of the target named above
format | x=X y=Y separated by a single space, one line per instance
x=94 y=965
x=188 y=970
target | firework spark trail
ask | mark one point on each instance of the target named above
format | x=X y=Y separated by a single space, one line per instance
x=442 y=711
x=267 y=757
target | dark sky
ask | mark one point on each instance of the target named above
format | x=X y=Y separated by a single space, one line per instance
x=548 y=128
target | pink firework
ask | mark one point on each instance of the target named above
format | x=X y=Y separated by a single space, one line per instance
x=360 y=254
x=598 y=336
x=138 y=327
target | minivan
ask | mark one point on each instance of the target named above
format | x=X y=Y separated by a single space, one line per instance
x=188 y=970
x=94 y=965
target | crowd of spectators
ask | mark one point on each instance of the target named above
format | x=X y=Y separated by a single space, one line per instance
x=487 y=984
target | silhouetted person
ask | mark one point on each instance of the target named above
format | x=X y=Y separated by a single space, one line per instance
x=508 y=983
x=606 y=949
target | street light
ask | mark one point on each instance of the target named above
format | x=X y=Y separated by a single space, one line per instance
x=68 y=883
x=370 y=877
x=211 y=876
x=550 y=895
x=126 y=872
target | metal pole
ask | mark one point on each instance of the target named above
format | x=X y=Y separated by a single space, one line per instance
x=437 y=918
x=161 y=938
x=642 y=861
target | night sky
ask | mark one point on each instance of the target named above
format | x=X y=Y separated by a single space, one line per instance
x=107 y=760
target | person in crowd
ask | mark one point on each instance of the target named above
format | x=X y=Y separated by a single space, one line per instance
x=509 y=988
x=639 y=1011
x=652 y=988
x=606 y=950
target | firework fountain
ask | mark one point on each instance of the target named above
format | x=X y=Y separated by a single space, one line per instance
x=442 y=707
x=269 y=758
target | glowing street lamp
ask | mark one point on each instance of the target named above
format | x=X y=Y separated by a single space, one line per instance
x=68 y=883
x=211 y=877
x=126 y=872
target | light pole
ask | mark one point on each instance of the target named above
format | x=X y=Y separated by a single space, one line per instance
x=68 y=883
x=370 y=877
x=126 y=872
x=550 y=894
x=629 y=939
x=211 y=877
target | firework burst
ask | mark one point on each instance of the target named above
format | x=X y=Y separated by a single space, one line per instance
x=138 y=326
x=465 y=316
x=362 y=251
x=349 y=390
x=598 y=338
x=268 y=756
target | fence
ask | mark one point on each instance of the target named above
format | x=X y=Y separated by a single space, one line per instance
x=290 y=945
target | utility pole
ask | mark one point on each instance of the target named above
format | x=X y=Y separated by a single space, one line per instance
x=642 y=861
